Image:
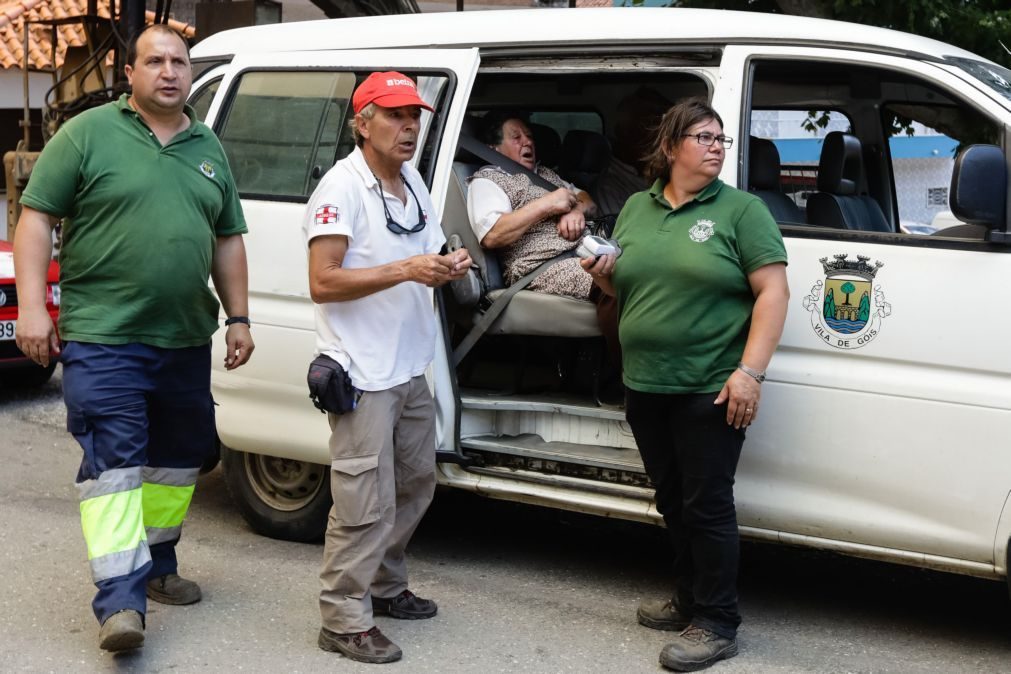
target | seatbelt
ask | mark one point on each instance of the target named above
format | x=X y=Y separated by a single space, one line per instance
x=482 y=324
x=495 y=158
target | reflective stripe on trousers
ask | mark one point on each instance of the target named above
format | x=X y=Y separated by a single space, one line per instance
x=113 y=523
x=166 y=497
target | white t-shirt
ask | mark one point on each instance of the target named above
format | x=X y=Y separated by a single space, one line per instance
x=486 y=203
x=388 y=337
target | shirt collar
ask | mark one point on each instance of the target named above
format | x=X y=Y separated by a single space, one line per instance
x=358 y=163
x=707 y=193
x=195 y=128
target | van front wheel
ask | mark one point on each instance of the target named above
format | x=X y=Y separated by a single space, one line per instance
x=279 y=498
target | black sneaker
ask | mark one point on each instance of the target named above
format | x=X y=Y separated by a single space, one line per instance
x=371 y=646
x=406 y=606
x=662 y=615
x=696 y=648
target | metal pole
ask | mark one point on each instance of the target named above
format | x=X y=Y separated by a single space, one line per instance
x=27 y=121
x=459 y=5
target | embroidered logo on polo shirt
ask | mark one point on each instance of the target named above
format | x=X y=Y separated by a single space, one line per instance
x=207 y=168
x=327 y=214
x=702 y=231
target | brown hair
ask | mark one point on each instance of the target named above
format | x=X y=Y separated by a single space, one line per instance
x=675 y=123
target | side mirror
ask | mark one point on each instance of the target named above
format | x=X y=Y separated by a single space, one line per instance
x=978 y=194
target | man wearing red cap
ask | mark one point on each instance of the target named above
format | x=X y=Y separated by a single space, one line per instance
x=374 y=244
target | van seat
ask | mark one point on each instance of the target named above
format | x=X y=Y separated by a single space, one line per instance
x=529 y=312
x=763 y=180
x=585 y=155
x=547 y=143
x=839 y=202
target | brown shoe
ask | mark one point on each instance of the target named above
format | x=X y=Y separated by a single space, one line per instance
x=371 y=646
x=406 y=606
x=122 y=631
x=662 y=615
x=696 y=648
x=171 y=589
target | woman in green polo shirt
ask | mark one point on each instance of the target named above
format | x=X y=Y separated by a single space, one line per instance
x=702 y=295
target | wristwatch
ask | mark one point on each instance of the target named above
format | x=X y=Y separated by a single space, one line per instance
x=237 y=319
x=754 y=374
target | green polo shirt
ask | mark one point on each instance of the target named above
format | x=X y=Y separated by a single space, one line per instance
x=141 y=221
x=682 y=283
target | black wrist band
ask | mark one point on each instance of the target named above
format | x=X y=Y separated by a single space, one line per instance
x=237 y=319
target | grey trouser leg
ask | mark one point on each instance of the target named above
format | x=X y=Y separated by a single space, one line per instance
x=382 y=478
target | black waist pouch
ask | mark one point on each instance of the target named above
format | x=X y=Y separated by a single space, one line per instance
x=330 y=386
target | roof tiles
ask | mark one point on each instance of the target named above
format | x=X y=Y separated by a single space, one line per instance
x=40 y=51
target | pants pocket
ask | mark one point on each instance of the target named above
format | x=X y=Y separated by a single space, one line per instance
x=83 y=431
x=354 y=483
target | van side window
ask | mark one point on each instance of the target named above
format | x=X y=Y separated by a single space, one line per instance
x=795 y=137
x=882 y=144
x=284 y=130
x=201 y=100
x=281 y=129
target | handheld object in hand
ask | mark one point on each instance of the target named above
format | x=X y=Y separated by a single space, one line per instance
x=595 y=246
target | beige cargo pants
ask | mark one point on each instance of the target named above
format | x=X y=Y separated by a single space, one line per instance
x=382 y=478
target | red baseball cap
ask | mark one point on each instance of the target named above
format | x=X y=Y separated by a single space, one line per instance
x=387 y=90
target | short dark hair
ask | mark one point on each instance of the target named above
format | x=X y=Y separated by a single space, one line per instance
x=131 y=48
x=492 y=123
x=675 y=123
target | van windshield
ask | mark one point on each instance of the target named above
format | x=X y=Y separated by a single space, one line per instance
x=996 y=77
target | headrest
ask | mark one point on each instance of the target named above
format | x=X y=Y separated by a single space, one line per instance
x=584 y=152
x=763 y=165
x=548 y=144
x=979 y=186
x=839 y=170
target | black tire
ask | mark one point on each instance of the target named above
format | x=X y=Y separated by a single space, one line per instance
x=279 y=498
x=31 y=376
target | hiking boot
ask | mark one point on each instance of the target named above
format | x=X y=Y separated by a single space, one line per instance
x=406 y=606
x=171 y=589
x=662 y=615
x=696 y=648
x=122 y=631
x=371 y=646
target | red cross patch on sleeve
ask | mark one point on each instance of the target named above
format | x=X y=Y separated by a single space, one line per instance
x=327 y=215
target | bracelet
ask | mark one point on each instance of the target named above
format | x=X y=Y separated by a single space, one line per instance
x=237 y=319
x=754 y=374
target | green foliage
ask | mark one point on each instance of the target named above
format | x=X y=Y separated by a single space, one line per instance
x=847 y=288
x=978 y=26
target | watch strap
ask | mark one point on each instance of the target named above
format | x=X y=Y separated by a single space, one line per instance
x=237 y=319
x=754 y=374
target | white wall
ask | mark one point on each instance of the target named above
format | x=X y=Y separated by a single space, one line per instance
x=12 y=93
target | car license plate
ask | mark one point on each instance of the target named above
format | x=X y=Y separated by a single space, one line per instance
x=7 y=330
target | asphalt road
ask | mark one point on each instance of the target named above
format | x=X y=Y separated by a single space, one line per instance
x=520 y=589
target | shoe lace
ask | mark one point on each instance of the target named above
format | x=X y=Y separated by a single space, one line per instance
x=362 y=636
x=698 y=634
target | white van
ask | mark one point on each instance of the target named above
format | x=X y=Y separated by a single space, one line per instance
x=886 y=425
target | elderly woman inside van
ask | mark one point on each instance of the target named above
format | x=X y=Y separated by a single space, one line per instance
x=526 y=223
x=701 y=286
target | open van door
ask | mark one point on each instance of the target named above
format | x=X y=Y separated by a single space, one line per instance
x=283 y=121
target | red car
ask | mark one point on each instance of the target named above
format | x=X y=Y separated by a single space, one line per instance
x=15 y=368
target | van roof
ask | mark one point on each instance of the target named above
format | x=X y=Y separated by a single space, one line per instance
x=504 y=29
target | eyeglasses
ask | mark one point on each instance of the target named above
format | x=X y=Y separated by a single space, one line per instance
x=392 y=224
x=707 y=139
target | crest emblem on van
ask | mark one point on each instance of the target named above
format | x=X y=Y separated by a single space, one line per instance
x=702 y=230
x=847 y=308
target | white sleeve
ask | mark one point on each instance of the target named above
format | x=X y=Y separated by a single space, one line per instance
x=333 y=207
x=486 y=203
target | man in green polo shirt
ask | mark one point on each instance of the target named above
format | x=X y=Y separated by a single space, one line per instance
x=149 y=211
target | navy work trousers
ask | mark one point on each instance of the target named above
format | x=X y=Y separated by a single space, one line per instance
x=690 y=454
x=144 y=418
